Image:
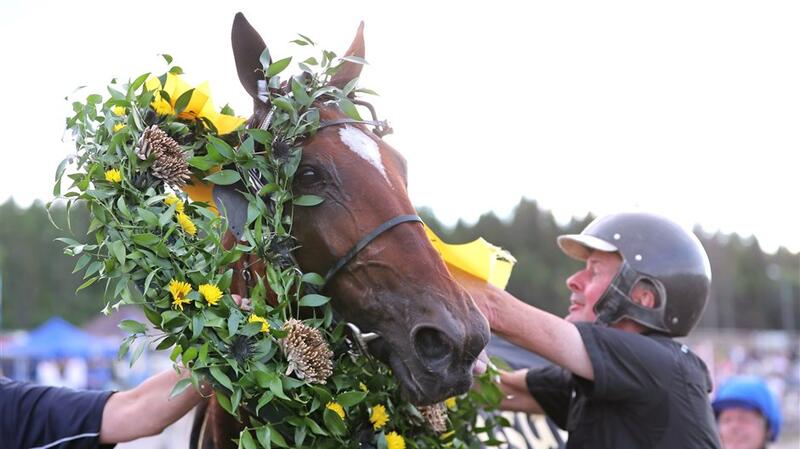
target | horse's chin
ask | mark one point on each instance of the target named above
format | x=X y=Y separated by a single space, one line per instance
x=418 y=389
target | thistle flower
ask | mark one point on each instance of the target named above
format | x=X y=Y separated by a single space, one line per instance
x=378 y=417
x=307 y=352
x=119 y=111
x=179 y=290
x=170 y=161
x=173 y=199
x=257 y=319
x=336 y=407
x=117 y=127
x=395 y=441
x=435 y=415
x=186 y=224
x=211 y=293
x=113 y=175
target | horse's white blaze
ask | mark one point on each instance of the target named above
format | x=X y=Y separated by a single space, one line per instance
x=366 y=148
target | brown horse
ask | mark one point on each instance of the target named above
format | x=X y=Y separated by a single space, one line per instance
x=397 y=286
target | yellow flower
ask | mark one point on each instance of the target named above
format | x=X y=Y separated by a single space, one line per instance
x=179 y=290
x=118 y=126
x=450 y=403
x=211 y=292
x=119 y=111
x=257 y=319
x=378 y=417
x=363 y=387
x=187 y=224
x=199 y=106
x=173 y=199
x=336 y=407
x=113 y=175
x=395 y=441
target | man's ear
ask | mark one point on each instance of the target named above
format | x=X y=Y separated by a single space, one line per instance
x=644 y=295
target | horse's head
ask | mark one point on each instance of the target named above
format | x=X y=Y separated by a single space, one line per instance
x=397 y=286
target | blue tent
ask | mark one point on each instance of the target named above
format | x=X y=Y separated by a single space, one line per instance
x=57 y=338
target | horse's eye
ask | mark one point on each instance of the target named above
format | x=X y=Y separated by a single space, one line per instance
x=308 y=176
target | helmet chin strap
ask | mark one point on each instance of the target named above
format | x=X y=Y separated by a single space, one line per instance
x=616 y=303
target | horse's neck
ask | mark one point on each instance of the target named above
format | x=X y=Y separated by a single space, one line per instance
x=214 y=428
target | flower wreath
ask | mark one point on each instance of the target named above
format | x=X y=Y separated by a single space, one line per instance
x=138 y=153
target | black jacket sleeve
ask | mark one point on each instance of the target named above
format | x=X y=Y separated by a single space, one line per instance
x=551 y=386
x=39 y=416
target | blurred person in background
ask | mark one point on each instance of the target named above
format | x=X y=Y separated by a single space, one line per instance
x=748 y=414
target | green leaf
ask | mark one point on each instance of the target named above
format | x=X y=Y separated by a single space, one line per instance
x=224 y=177
x=221 y=147
x=314 y=300
x=183 y=101
x=284 y=104
x=189 y=355
x=351 y=398
x=201 y=163
x=167 y=58
x=87 y=283
x=180 y=387
x=313 y=278
x=278 y=66
x=308 y=200
x=276 y=437
x=349 y=108
x=262 y=433
x=268 y=188
x=146 y=239
x=333 y=422
x=233 y=322
x=246 y=440
x=149 y=217
x=197 y=325
x=221 y=377
x=265 y=59
x=133 y=327
x=225 y=402
x=299 y=92
x=262 y=136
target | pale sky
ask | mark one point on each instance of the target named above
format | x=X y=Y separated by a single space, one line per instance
x=686 y=108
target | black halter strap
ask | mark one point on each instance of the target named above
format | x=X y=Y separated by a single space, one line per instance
x=389 y=224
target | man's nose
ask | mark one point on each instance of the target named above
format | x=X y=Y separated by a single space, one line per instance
x=574 y=282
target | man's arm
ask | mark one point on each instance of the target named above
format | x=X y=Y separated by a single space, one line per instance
x=147 y=409
x=550 y=336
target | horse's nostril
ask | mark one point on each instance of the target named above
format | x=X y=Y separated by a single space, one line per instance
x=431 y=344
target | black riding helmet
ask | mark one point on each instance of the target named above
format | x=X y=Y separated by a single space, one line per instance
x=654 y=250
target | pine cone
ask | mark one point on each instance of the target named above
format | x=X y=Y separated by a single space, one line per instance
x=169 y=162
x=307 y=352
x=435 y=415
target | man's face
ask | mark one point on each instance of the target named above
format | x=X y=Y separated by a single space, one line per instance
x=589 y=284
x=741 y=428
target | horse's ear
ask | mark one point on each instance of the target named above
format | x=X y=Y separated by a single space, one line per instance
x=350 y=70
x=247 y=49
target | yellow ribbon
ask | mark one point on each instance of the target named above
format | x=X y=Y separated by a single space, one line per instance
x=200 y=104
x=478 y=258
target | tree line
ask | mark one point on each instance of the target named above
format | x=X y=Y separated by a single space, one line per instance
x=751 y=289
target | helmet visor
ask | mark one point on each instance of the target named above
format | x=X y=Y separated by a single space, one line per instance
x=579 y=246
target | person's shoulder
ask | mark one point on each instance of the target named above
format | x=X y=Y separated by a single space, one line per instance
x=611 y=339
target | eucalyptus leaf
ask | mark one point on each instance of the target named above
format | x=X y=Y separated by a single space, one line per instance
x=224 y=177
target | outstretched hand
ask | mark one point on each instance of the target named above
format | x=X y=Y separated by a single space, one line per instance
x=245 y=304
